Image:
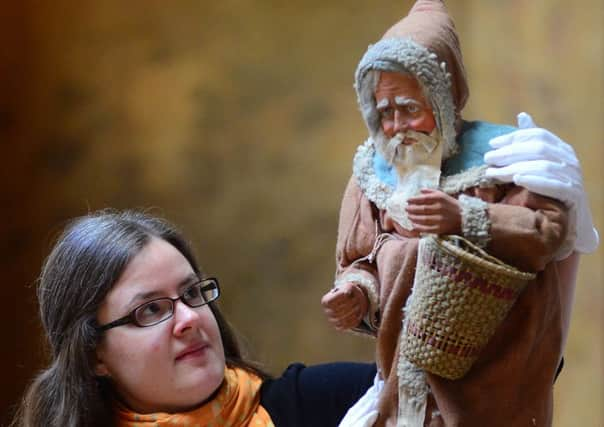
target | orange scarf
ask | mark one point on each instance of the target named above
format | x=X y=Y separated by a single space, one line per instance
x=237 y=404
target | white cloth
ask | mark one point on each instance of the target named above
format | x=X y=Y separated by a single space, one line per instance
x=538 y=160
x=364 y=413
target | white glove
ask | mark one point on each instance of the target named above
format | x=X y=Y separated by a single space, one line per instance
x=538 y=160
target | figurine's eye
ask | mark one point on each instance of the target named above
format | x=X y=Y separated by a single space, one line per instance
x=387 y=113
x=413 y=108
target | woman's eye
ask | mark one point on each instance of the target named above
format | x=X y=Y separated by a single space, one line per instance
x=153 y=312
x=192 y=293
x=151 y=308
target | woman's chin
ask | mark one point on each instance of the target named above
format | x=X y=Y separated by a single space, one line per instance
x=202 y=383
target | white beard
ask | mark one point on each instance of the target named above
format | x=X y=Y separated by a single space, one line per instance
x=417 y=166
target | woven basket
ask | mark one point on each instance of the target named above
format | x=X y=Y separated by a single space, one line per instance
x=460 y=295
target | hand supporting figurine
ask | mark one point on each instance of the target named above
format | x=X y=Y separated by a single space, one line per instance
x=538 y=160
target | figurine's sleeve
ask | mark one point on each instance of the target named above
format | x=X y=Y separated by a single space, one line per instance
x=526 y=229
x=356 y=237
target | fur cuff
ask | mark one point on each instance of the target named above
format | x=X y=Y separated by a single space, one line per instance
x=475 y=223
x=374 y=189
x=368 y=284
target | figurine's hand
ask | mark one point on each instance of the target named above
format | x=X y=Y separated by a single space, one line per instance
x=345 y=306
x=538 y=160
x=434 y=212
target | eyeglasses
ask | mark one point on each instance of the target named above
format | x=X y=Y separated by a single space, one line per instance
x=155 y=311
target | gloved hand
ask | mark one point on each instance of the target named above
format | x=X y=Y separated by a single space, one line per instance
x=538 y=160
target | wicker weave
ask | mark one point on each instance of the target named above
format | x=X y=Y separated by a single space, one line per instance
x=460 y=295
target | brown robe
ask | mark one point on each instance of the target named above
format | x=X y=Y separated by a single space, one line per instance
x=511 y=383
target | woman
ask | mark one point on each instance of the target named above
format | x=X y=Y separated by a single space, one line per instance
x=136 y=339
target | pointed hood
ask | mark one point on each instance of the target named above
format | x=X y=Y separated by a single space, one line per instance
x=424 y=44
x=429 y=25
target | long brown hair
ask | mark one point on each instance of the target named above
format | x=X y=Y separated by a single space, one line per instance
x=86 y=261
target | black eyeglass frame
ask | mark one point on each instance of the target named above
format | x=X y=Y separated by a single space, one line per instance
x=131 y=317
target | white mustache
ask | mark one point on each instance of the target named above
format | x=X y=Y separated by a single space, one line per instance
x=428 y=142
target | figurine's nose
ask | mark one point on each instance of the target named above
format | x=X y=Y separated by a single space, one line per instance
x=401 y=123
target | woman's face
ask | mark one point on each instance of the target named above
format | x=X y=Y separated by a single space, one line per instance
x=169 y=367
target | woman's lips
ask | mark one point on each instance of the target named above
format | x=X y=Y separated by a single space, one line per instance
x=192 y=352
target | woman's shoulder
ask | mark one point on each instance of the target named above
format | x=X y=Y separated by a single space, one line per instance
x=317 y=395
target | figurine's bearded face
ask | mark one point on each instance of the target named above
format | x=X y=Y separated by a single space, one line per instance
x=409 y=140
x=406 y=120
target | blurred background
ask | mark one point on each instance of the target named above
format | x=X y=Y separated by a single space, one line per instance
x=237 y=120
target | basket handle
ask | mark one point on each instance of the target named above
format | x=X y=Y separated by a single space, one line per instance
x=462 y=241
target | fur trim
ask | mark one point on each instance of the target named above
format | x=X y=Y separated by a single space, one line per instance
x=375 y=190
x=404 y=55
x=459 y=182
x=411 y=408
x=412 y=379
x=378 y=192
x=413 y=387
x=475 y=223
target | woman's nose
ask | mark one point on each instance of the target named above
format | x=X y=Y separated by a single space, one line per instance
x=185 y=317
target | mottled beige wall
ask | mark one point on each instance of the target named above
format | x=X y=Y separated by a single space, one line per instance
x=237 y=120
x=546 y=57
